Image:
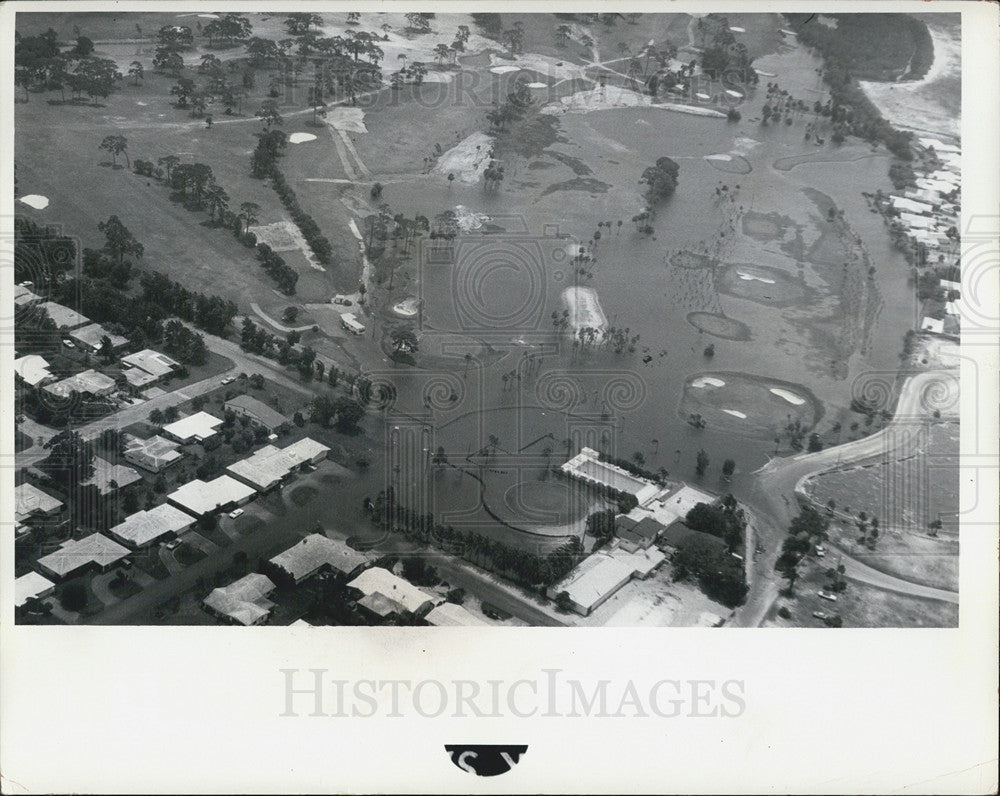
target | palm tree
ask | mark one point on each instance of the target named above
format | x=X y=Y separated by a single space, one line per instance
x=168 y=162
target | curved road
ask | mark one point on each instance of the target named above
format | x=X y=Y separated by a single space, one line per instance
x=772 y=494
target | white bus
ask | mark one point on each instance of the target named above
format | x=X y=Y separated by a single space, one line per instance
x=350 y=322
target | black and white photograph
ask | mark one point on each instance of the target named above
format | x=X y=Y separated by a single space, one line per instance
x=326 y=322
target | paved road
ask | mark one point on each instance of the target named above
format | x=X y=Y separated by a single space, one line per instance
x=771 y=491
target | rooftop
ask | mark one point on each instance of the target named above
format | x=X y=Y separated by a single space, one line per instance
x=144 y=527
x=451 y=615
x=150 y=361
x=596 y=578
x=200 y=425
x=153 y=453
x=244 y=600
x=91 y=335
x=23 y=296
x=105 y=472
x=64 y=317
x=380 y=605
x=89 y=381
x=202 y=497
x=29 y=499
x=33 y=369
x=269 y=465
x=588 y=466
x=75 y=554
x=316 y=551
x=30 y=585
x=395 y=588
x=259 y=410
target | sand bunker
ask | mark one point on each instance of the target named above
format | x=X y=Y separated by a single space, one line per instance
x=719 y=326
x=584 y=309
x=718 y=157
x=468 y=220
x=502 y=70
x=735 y=29
x=735 y=413
x=707 y=381
x=754 y=278
x=408 y=307
x=538 y=85
x=300 y=138
x=791 y=397
x=468 y=159
x=35 y=201
x=729 y=163
x=745 y=404
x=350 y=120
x=599 y=99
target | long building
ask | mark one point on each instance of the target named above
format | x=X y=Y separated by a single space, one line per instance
x=77 y=555
x=207 y=497
x=317 y=553
x=270 y=466
x=257 y=412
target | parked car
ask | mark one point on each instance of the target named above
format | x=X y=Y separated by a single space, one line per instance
x=820 y=551
x=821 y=615
x=235 y=513
x=827 y=596
x=126 y=563
x=172 y=544
x=342 y=300
x=229 y=380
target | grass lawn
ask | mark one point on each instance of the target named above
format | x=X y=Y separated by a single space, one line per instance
x=188 y=554
x=22 y=441
x=149 y=562
x=124 y=588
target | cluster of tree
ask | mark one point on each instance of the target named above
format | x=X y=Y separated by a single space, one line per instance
x=807 y=530
x=345 y=413
x=838 y=57
x=258 y=340
x=306 y=223
x=40 y=63
x=274 y=264
x=418 y=23
x=183 y=344
x=719 y=573
x=725 y=520
x=722 y=55
x=270 y=146
x=513 y=109
x=532 y=569
x=635 y=468
x=601 y=524
x=210 y=313
x=42 y=256
x=902 y=175
x=661 y=179
x=227 y=31
x=490 y=24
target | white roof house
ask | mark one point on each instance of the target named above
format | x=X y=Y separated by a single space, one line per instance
x=933 y=325
x=316 y=552
x=269 y=466
x=243 y=601
x=77 y=554
x=105 y=472
x=592 y=582
x=30 y=500
x=256 y=410
x=151 y=454
x=193 y=428
x=203 y=497
x=910 y=205
x=152 y=362
x=31 y=585
x=392 y=587
x=588 y=467
x=145 y=527
x=948 y=285
x=32 y=369
x=23 y=297
x=672 y=506
x=89 y=382
x=64 y=317
x=451 y=615
x=89 y=337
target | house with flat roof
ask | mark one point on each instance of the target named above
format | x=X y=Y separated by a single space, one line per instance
x=33 y=370
x=153 y=454
x=77 y=555
x=270 y=466
x=147 y=367
x=258 y=412
x=451 y=615
x=105 y=473
x=394 y=588
x=31 y=585
x=588 y=467
x=380 y=608
x=30 y=501
x=243 y=602
x=88 y=338
x=89 y=382
x=678 y=532
x=317 y=553
x=145 y=527
x=63 y=317
x=193 y=428
x=199 y=497
x=23 y=297
x=592 y=582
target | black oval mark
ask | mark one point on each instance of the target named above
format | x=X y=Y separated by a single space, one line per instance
x=485 y=760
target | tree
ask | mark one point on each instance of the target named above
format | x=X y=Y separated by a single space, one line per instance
x=73 y=595
x=119 y=240
x=403 y=339
x=418 y=23
x=116 y=145
x=661 y=179
x=702 y=463
x=788 y=566
x=349 y=412
x=728 y=467
x=268 y=113
x=70 y=460
x=815 y=443
x=135 y=71
x=249 y=212
x=300 y=24
x=168 y=162
x=107 y=350
x=156 y=417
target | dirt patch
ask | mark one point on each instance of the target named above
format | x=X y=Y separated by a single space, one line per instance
x=589 y=185
x=719 y=326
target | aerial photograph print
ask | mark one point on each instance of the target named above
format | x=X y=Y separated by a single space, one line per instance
x=595 y=320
